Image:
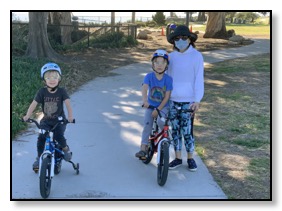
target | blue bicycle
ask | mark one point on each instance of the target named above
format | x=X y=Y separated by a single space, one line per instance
x=50 y=161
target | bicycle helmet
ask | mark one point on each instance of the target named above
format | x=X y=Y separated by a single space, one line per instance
x=51 y=67
x=161 y=53
x=48 y=67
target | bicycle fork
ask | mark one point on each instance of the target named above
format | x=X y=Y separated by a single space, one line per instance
x=164 y=141
x=45 y=154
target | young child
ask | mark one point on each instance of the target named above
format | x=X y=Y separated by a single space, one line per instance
x=156 y=91
x=51 y=97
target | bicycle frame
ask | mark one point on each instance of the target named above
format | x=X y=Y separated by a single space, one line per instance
x=50 y=148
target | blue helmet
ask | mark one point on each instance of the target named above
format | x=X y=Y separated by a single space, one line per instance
x=48 y=67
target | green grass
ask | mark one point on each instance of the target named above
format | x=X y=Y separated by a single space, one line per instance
x=240 y=29
x=235 y=120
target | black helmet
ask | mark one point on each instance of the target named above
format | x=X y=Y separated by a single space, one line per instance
x=181 y=30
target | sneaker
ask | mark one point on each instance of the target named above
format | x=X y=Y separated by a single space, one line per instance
x=175 y=163
x=67 y=155
x=141 y=155
x=35 y=165
x=192 y=166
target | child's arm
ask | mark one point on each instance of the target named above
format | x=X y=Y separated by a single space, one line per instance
x=30 y=110
x=145 y=95
x=68 y=105
x=165 y=100
x=163 y=103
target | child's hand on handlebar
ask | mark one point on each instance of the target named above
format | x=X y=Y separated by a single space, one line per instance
x=25 y=118
x=145 y=105
x=70 y=119
x=155 y=114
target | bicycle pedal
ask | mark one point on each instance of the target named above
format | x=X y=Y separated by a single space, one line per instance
x=36 y=170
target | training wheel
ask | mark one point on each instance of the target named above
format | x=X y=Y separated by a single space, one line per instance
x=77 y=168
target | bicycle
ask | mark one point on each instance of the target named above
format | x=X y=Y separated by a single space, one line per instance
x=159 y=141
x=50 y=161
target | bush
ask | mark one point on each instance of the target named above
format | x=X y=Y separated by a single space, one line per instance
x=25 y=83
x=113 y=40
x=19 y=39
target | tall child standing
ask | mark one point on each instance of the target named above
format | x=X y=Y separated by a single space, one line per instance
x=51 y=97
x=156 y=91
x=187 y=70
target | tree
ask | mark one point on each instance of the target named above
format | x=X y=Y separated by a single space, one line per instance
x=113 y=17
x=38 y=43
x=216 y=26
x=230 y=15
x=62 y=18
x=201 y=16
x=133 y=17
x=159 y=18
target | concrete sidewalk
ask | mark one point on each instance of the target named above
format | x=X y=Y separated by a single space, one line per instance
x=104 y=140
x=260 y=46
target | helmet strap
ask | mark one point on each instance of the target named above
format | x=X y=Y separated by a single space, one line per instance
x=160 y=72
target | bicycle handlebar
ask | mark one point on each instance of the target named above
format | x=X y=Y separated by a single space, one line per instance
x=64 y=121
x=184 y=110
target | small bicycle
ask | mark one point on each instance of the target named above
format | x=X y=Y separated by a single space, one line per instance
x=50 y=161
x=159 y=141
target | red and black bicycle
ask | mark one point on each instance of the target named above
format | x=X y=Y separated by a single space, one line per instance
x=159 y=141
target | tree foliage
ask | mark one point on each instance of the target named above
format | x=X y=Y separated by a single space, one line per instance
x=159 y=18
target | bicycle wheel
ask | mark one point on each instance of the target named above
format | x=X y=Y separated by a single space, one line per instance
x=163 y=165
x=45 y=177
x=150 y=153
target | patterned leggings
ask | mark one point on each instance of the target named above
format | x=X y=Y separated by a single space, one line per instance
x=182 y=126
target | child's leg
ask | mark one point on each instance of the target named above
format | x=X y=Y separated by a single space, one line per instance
x=163 y=114
x=187 y=131
x=59 y=136
x=147 y=128
x=41 y=138
x=176 y=125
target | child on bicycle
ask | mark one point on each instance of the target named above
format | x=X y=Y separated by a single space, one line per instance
x=156 y=91
x=51 y=97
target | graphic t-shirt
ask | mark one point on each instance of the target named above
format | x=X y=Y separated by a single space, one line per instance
x=52 y=103
x=157 y=88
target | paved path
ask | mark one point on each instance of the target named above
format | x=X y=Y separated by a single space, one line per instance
x=104 y=141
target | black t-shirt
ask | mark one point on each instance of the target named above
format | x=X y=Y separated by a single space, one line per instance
x=52 y=103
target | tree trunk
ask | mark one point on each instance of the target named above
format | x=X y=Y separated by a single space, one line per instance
x=133 y=17
x=216 y=26
x=38 y=43
x=201 y=17
x=113 y=17
x=63 y=18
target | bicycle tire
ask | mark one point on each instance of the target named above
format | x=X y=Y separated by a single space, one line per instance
x=150 y=152
x=163 y=165
x=45 y=179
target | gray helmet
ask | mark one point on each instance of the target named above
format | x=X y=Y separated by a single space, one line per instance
x=181 y=30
